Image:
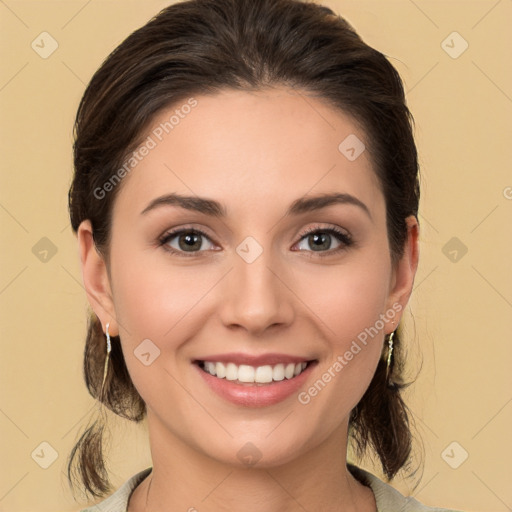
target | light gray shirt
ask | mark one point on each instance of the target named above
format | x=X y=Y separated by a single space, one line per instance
x=387 y=498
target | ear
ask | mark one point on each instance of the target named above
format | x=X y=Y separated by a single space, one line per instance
x=404 y=273
x=96 y=279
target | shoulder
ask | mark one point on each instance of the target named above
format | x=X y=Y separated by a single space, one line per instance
x=389 y=499
x=118 y=502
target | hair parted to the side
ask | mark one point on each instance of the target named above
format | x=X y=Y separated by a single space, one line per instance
x=199 y=47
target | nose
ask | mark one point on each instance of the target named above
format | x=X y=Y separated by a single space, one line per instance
x=256 y=296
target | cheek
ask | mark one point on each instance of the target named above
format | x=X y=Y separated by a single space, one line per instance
x=151 y=294
x=153 y=310
x=350 y=302
x=158 y=301
x=347 y=298
x=149 y=302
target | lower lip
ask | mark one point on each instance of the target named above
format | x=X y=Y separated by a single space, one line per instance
x=255 y=395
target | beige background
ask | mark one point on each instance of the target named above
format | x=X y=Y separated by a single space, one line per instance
x=459 y=320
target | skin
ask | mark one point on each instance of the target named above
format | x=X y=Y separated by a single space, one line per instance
x=271 y=147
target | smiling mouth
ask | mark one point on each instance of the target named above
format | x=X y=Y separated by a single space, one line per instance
x=245 y=374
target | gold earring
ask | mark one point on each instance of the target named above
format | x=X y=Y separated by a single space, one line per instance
x=390 y=352
x=109 y=348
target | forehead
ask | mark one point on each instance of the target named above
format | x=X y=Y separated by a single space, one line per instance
x=251 y=150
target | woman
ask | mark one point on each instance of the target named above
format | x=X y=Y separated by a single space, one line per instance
x=245 y=199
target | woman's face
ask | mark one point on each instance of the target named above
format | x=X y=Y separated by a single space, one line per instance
x=256 y=289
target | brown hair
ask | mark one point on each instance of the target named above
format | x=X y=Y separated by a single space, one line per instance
x=201 y=47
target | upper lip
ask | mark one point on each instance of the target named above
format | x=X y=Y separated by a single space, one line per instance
x=253 y=360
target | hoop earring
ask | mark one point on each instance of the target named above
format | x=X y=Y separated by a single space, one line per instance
x=390 y=353
x=109 y=348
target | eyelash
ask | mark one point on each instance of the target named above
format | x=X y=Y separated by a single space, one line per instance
x=345 y=240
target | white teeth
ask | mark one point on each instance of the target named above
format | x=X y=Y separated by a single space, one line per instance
x=289 y=370
x=261 y=374
x=210 y=367
x=231 y=371
x=278 y=372
x=219 y=369
x=245 y=373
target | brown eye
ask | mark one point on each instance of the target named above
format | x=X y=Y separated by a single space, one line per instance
x=320 y=240
x=184 y=241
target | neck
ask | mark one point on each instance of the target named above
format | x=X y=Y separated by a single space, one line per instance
x=185 y=479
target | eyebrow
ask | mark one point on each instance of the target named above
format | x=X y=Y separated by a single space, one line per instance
x=215 y=209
